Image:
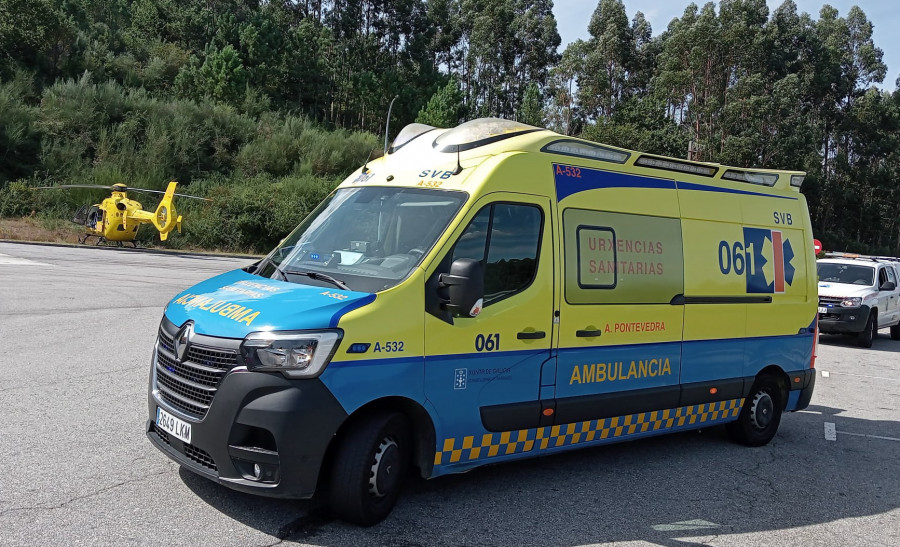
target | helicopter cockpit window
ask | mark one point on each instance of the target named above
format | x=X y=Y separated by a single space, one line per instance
x=370 y=238
x=94 y=216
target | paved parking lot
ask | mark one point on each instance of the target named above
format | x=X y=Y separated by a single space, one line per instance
x=77 y=326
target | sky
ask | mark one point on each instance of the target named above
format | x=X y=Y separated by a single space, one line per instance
x=572 y=17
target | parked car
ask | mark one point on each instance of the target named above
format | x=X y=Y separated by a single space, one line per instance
x=858 y=295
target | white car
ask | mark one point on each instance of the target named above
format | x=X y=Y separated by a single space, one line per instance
x=859 y=295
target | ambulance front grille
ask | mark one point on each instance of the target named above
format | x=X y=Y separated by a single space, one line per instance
x=190 y=385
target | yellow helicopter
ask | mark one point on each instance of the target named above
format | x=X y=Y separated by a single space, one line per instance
x=117 y=218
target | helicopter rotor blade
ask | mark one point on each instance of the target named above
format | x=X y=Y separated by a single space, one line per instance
x=117 y=189
x=73 y=186
x=145 y=190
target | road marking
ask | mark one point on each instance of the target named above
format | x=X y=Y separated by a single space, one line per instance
x=825 y=374
x=6 y=260
x=831 y=434
x=870 y=436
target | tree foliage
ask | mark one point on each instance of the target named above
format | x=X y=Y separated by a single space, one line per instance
x=740 y=85
x=227 y=93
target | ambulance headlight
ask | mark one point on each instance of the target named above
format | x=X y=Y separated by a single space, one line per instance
x=294 y=354
x=851 y=302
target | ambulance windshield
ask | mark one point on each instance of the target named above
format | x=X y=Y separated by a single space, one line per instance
x=367 y=238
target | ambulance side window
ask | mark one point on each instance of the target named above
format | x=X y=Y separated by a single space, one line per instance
x=620 y=258
x=882 y=276
x=505 y=238
x=473 y=242
x=890 y=274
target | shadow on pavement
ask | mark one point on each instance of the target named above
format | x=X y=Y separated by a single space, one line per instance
x=882 y=343
x=663 y=490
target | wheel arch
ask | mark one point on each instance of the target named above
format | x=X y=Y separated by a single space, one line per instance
x=421 y=430
x=780 y=376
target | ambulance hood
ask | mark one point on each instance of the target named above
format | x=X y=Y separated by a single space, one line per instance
x=844 y=289
x=237 y=303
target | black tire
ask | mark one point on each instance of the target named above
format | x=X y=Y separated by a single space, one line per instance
x=761 y=414
x=895 y=332
x=369 y=469
x=864 y=339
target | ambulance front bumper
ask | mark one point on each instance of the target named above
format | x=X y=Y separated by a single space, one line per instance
x=262 y=434
x=844 y=320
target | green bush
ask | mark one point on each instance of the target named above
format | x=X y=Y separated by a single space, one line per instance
x=16 y=200
x=252 y=216
x=264 y=174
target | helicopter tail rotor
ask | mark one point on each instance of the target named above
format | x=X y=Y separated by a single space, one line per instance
x=166 y=218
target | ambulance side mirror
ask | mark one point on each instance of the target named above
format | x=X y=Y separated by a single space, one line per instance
x=888 y=286
x=465 y=287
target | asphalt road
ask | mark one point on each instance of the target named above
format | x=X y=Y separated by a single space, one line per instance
x=76 y=329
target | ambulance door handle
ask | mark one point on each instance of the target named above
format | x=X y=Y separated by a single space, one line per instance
x=531 y=335
x=588 y=333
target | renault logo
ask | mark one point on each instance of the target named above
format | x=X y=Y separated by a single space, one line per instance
x=183 y=340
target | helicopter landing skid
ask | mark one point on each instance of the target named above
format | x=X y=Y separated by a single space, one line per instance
x=100 y=239
x=103 y=241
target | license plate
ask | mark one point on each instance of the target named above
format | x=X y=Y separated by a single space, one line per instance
x=172 y=425
x=823 y=309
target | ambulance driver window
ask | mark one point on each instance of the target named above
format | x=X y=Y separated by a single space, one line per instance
x=505 y=238
x=615 y=258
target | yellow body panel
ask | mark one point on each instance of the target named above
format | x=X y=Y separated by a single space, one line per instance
x=706 y=218
x=648 y=278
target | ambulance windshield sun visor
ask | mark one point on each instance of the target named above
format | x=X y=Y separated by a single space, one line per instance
x=369 y=238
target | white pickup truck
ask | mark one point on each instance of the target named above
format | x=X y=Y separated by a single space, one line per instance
x=859 y=295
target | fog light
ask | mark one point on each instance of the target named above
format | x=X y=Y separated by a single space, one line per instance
x=256 y=471
x=853 y=318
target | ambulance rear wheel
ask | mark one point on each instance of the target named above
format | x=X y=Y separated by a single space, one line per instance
x=369 y=469
x=864 y=339
x=761 y=414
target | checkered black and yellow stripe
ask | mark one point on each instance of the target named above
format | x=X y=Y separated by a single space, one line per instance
x=455 y=449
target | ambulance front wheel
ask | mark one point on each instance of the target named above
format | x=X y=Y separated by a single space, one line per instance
x=760 y=415
x=371 y=463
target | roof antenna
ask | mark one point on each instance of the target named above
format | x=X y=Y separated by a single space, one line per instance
x=458 y=169
x=387 y=124
x=365 y=168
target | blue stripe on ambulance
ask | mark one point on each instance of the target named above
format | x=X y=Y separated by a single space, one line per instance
x=462 y=440
x=593 y=179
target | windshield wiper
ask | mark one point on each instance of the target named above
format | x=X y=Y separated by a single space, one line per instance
x=319 y=277
x=258 y=270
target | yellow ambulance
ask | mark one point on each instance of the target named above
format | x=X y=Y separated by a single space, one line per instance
x=485 y=293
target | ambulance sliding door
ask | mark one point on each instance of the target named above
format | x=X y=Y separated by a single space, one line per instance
x=621 y=316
